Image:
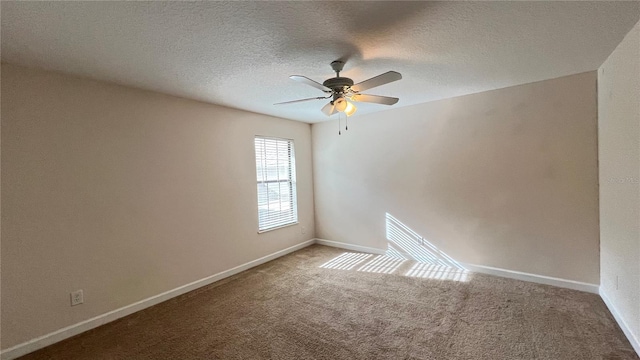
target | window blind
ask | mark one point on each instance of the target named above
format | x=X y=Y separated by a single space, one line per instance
x=276 y=175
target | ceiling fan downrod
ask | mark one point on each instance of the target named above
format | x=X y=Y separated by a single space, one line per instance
x=337 y=66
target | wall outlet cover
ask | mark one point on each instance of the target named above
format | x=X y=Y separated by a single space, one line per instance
x=77 y=298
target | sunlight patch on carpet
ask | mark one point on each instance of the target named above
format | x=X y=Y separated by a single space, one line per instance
x=430 y=271
x=381 y=264
x=346 y=261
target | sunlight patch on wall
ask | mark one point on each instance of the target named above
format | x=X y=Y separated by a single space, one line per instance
x=408 y=243
x=395 y=253
x=346 y=261
x=405 y=248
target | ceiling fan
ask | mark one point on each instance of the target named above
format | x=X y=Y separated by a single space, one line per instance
x=341 y=89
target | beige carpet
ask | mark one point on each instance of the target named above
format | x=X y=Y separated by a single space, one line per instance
x=325 y=303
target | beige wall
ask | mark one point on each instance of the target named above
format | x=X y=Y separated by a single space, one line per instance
x=505 y=178
x=619 y=155
x=125 y=194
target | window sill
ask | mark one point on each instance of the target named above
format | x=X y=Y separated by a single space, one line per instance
x=278 y=227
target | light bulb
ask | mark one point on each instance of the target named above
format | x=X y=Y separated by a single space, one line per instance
x=350 y=109
x=341 y=104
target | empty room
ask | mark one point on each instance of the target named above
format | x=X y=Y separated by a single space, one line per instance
x=320 y=180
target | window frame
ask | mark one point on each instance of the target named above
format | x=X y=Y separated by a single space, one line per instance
x=291 y=180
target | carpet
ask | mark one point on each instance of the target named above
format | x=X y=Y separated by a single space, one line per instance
x=327 y=303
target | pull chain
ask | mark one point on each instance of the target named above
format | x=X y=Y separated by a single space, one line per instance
x=339 y=133
x=346 y=123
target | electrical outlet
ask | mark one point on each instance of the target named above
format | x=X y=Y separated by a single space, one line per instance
x=77 y=298
x=303 y=230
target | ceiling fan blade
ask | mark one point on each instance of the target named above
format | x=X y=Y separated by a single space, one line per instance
x=306 y=80
x=329 y=109
x=382 y=79
x=301 y=100
x=377 y=99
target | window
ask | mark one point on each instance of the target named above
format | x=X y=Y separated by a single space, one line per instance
x=276 y=170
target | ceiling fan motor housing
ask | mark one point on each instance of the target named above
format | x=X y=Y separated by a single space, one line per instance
x=338 y=84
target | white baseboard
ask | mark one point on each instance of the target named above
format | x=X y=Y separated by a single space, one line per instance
x=341 y=245
x=75 y=329
x=539 y=279
x=635 y=342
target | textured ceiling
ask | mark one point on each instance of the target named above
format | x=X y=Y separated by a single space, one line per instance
x=240 y=54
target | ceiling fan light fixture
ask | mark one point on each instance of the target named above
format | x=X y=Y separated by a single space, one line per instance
x=341 y=104
x=350 y=109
